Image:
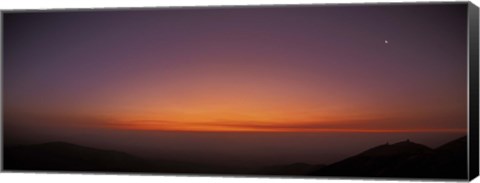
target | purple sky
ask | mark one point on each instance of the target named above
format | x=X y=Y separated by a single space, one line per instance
x=318 y=68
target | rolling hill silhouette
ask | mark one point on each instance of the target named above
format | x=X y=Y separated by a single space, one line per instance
x=400 y=160
x=62 y=156
x=404 y=159
x=289 y=169
x=69 y=157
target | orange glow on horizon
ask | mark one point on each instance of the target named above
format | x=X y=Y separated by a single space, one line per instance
x=277 y=70
x=262 y=127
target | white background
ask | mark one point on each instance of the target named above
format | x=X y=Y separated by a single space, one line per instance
x=82 y=178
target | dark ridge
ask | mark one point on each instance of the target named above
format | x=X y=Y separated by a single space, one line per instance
x=454 y=145
x=450 y=160
x=404 y=159
x=60 y=156
x=404 y=147
x=288 y=169
x=63 y=156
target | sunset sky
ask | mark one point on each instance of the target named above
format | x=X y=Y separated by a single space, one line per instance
x=315 y=69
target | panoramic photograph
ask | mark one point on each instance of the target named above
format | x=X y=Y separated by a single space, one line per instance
x=375 y=91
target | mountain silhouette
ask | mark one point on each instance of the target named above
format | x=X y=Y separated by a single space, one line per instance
x=62 y=156
x=404 y=159
x=401 y=148
x=288 y=169
x=69 y=157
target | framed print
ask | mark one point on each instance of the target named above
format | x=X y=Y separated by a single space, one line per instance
x=377 y=91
